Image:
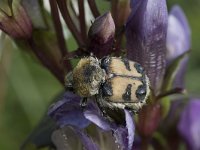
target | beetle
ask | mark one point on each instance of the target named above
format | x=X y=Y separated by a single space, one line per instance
x=114 y=81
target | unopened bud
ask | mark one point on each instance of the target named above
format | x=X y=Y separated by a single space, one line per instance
x=18 y=25
x=101 y=35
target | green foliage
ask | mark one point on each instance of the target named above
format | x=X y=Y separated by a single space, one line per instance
x=30 y=89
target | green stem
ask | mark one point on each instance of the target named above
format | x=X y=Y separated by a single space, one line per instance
x=59 y=33
x=145 y=143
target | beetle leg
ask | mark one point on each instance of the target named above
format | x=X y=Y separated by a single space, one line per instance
x=69 y=87
x=84 y=102
x=99 y=101
x=134 y=107
x=77 y=54
x=69 y=81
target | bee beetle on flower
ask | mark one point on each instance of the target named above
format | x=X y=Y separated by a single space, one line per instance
x=132 y=59
x=114 y=82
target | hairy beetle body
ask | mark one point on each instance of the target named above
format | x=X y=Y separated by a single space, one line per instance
x=116 y=82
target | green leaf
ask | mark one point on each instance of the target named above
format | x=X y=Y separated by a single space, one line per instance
x=165 y=104
x=41 y=135
x=161 y=139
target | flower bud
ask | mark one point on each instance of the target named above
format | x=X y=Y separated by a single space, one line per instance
x=17 y=25
x=101 y=35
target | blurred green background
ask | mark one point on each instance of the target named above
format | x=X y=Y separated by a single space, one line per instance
x=26 y=88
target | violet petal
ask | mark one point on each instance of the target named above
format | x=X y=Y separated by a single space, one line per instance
x=176 y=107
x=125 y=135
x=121 y=137
x=87 y=141
x=189 y=124
x=146 y=31
x=137 y=143
x=59 y=139
x=179 y=80
x=95 y=116
x=175 y=73
x=63 y=138
x=178 y=34
x=67 y=111
x=131 y=128
x=101 y=35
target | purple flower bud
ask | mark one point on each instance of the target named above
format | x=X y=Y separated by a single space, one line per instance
x=18 y=25
x=178 y=42
x=189 y=124
x=178 y=34
x=101 y=35
x=146 y=31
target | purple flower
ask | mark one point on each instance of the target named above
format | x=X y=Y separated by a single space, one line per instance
x=146 y=31
x=189 y=124
x=178 y=34
x=178 y=43
x=63 y=136
x=67 y=112
x=148 y=43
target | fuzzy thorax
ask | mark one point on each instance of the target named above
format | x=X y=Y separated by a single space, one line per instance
x=87 y=77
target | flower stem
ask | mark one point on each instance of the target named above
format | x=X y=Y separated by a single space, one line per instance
x=171 y=92
x=82 y=19
x=68 y=20
x=114 y=5
x=78 y=53
x=45 y=61
x=73 y=9
x=94 y=8
x=59 y=32
x=58 y=27
x=145 y=143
